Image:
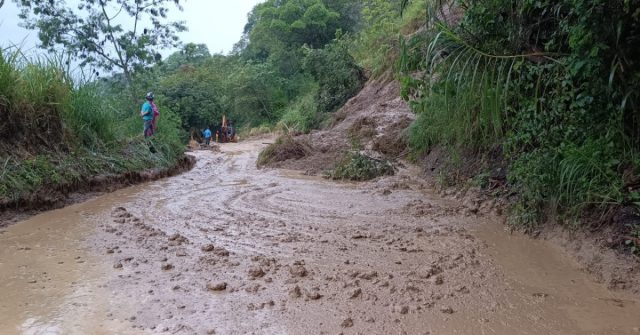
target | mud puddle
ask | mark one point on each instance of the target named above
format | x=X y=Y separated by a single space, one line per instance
x=554 y=289
x=228 y=249
x=51 y=281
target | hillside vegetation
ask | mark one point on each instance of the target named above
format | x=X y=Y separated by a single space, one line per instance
x=553 y=86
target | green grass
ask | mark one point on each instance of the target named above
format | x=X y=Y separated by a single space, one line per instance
x=302 y=115
x=376 y=46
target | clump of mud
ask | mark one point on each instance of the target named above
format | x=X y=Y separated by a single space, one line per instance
x=285 y=147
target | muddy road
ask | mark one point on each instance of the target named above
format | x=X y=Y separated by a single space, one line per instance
x=228 y=249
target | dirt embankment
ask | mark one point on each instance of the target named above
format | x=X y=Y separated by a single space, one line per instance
x=377 y=119
x=12 y=210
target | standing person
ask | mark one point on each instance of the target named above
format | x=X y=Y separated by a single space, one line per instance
x=147 y=115
x=207 y=136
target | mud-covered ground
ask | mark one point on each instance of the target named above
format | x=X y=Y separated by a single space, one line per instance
x=228 y=249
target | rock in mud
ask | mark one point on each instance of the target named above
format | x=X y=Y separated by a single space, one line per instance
x=117 y=265
x=256 y=272
x=368 y=275
x=439 y=280
x=298 y=271
x=295 y=292
x=463 y=290
x=181 y=253
x=219 y=286
x=313 y=295
x=347 y=323
x=356 y=293
x=207 y=248
x=120 y=212
x=222 y=252
x=177 y=239
x=166 y=266
x=446 y=310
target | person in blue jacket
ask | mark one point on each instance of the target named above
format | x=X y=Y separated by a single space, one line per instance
x=207 y=136
x=147 y=115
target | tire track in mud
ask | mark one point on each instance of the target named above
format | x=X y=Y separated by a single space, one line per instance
x=229 y=249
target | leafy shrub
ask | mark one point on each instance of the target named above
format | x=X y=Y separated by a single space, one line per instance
x=375 y=47
x=549 y=81
x=359 y=167
x=339 y=77
x=302 y=115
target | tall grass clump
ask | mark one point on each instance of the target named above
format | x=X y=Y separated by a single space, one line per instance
x=302 y=115
x=34 y=94
x=92 y=123
x=548 y=82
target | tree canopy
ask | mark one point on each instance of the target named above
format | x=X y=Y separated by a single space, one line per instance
x=112 y=35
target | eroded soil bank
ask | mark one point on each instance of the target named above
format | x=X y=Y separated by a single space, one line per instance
x=12 y=210
x=228 y=249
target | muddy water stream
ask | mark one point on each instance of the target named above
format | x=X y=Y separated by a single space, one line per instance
x=228 y=249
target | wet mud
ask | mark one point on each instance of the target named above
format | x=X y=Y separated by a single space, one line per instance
x=229 y=249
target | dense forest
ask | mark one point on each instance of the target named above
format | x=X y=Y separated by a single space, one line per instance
x=547 y=88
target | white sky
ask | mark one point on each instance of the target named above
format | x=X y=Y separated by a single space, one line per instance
x=216 y=23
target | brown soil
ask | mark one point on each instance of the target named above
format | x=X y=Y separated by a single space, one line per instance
x=379 y=119
x=376 y=119
x=47 y=199
x=229 y=249
x=598 y=245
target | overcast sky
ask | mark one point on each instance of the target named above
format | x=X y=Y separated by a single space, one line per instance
x=216 y=23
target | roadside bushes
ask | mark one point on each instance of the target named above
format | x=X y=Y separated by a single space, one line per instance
x=338 y=76
x=302 y=115
x=551 y=82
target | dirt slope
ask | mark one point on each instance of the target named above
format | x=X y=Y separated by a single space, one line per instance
x=376 y=118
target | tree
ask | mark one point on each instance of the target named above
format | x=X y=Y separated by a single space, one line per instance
x=123 y=35
x=191 y=53
x=276 y=25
